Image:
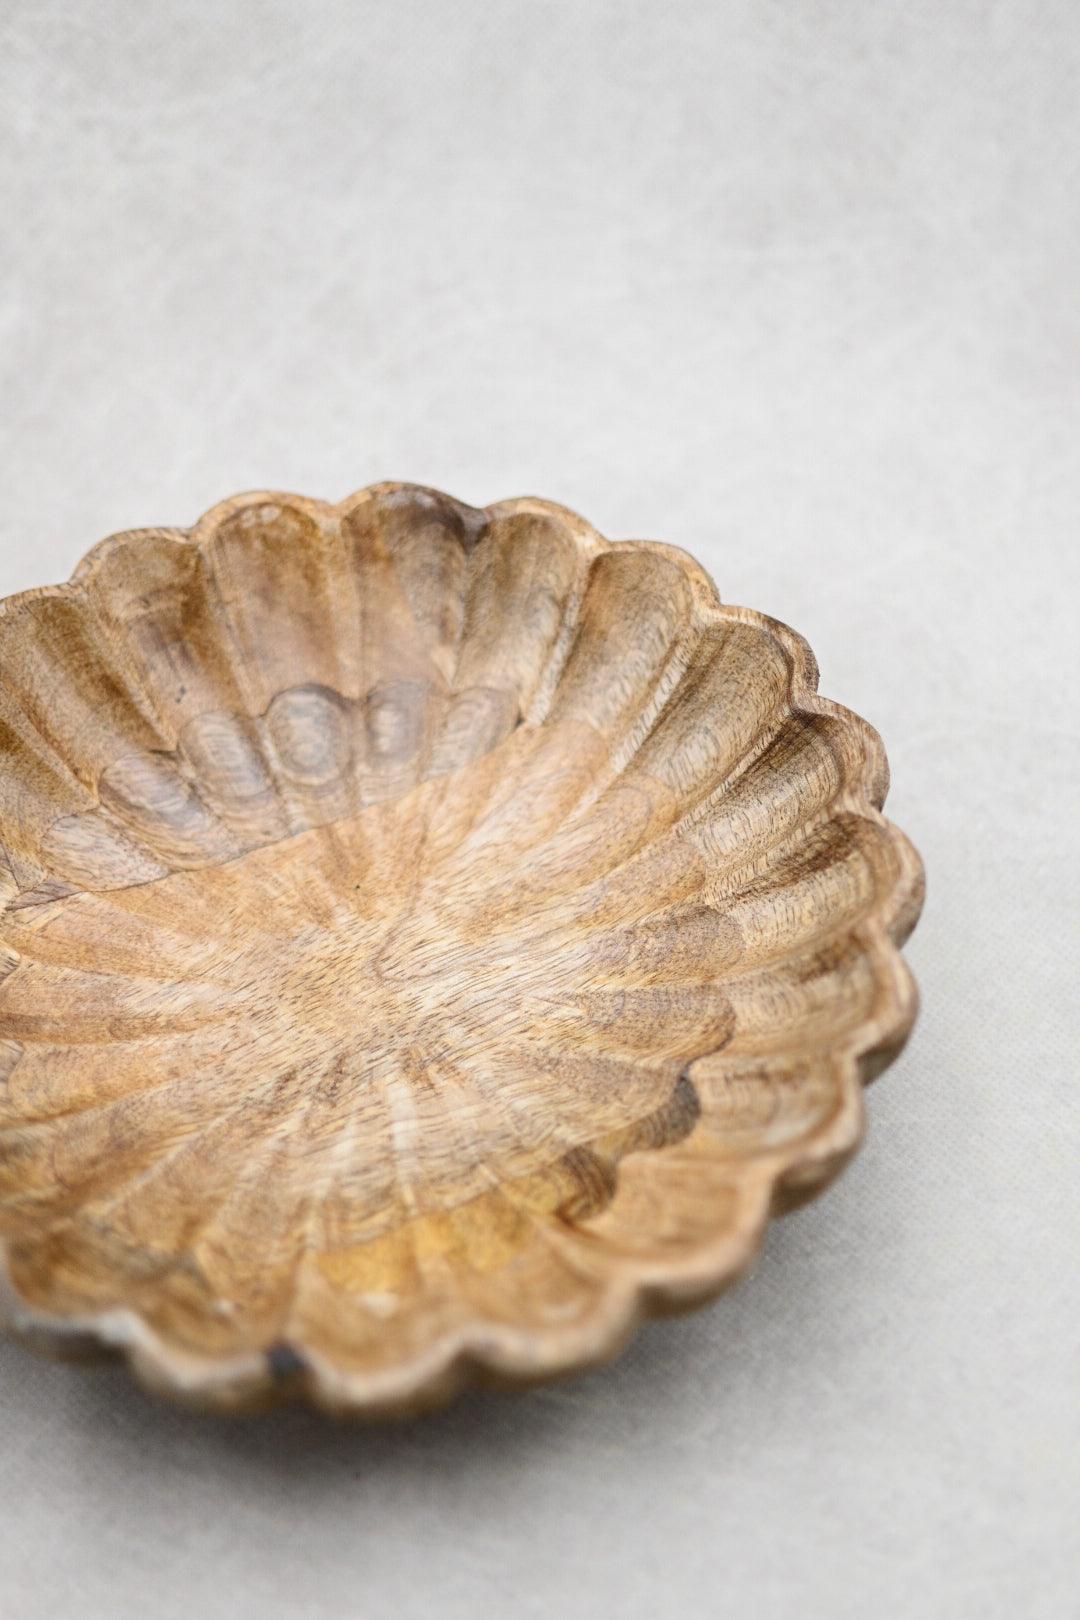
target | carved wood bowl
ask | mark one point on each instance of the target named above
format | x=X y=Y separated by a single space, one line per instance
x=433 y=939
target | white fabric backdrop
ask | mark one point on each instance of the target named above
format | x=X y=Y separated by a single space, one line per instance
x=794 y=286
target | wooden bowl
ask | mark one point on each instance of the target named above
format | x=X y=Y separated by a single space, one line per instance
x=432 y=939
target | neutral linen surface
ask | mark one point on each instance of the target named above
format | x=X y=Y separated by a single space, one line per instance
x=794 y=285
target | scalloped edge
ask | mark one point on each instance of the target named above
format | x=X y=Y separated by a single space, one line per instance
x=492 y=1354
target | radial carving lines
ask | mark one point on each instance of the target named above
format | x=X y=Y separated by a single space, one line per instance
x=432 y=937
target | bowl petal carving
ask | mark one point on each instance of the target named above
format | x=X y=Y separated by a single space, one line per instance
x=432 y=938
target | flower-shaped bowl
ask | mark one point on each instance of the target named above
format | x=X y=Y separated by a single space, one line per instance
x=432 y=939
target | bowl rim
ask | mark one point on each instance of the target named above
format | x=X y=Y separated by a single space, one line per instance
x=483 y=1352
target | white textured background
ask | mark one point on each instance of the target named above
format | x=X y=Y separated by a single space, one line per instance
x=796 y=286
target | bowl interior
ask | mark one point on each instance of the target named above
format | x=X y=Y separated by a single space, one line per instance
x=413 y=914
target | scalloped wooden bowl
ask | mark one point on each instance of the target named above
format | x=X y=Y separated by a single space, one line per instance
x=433 y=938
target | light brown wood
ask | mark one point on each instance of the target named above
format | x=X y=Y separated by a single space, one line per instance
x=434 y=938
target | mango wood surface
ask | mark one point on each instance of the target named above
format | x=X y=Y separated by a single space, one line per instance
x=432 y=938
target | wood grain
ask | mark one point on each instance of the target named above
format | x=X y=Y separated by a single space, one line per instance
x=432 y=938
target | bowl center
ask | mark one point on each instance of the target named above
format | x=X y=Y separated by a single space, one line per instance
x=393 y=1048
x=429 y=1035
